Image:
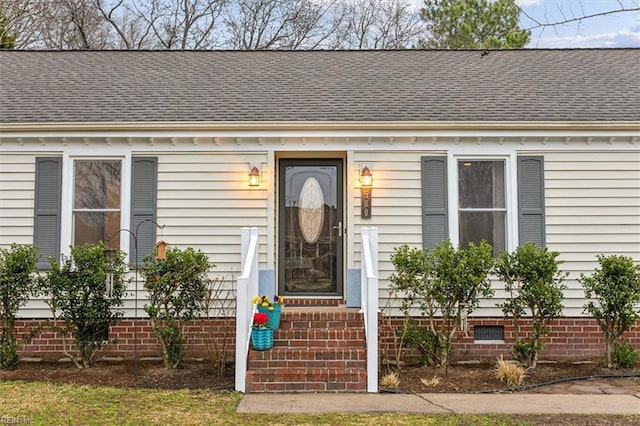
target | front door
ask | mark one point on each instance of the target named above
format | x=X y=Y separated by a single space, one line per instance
x=310 y=227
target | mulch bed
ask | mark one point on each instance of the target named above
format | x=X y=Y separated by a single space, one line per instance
x=201 y=375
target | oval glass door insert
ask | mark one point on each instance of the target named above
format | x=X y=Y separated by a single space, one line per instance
x=311 y=210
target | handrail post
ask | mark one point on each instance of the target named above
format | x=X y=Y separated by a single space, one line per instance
x=369 y=299
x=247 y=284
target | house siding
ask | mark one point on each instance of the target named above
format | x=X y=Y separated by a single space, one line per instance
x=592 y=203
x=17 y=186
x=592 y=207
x=204 y=201
x=396 y=208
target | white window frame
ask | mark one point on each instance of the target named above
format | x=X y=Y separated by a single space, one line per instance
x=66 y=220
x=511 y=195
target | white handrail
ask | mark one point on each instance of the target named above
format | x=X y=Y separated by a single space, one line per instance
x=369 y=302
x=246 y=289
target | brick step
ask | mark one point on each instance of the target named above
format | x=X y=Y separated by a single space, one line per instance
x=308 y=357
x=322 y=338
x=315 y=349
x=307 y=380
x=314 y=302
x=320 y=317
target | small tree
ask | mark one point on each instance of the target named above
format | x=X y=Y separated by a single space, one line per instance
x=17 y=282
x=615 y=288
x=177 y=287
x=219 y=302
x=446 y=284
x=82 y=292
x=534 y=288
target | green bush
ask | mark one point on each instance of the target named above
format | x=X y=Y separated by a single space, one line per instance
x=615 y=290
x=445 y=284
x=423 y=339
x=533 y=283
x=18 y=281
x=624 y=356
x=82 y=292
x=177 y=288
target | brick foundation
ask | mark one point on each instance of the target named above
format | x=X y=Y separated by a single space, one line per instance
x=202 y=336
x=571 y=339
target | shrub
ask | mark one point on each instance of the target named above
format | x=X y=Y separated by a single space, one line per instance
x=219 y=302
x=177 y=287
x=624 y=356
x=423 y=339
x=390 y=380
x=533 y=283
x=446 y=283
x=17 y=282
x=615 y=290
x=82 y=291
x=510 y=371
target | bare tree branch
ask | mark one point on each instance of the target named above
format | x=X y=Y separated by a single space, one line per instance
x=582 y=17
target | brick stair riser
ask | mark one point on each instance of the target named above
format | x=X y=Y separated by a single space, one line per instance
x=313 y=352
x=353 y=336
x=296 y=354
x=309 y=380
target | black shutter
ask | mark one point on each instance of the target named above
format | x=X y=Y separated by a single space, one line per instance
x=144 y=188
x=46 y=227
x=434 y=201
x=531 y=200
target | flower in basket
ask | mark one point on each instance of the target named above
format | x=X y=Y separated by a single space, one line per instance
x=260 y=321
x=265 y=302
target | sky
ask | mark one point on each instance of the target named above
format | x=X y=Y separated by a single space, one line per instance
x=615 y=30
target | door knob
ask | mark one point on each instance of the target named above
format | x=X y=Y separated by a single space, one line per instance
x=339 y=228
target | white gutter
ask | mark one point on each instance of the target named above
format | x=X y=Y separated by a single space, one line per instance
x=321 y=125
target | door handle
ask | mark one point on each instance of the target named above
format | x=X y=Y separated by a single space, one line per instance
x=339 y=228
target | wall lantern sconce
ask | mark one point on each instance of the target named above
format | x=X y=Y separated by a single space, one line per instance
x=254 y=176
x=366 y=178
x=161 y=250
x=366 y=182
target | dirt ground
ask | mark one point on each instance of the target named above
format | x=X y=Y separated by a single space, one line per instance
x=124 y=374
x=201 y=375
x=481 y=377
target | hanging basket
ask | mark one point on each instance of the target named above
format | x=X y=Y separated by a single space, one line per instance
x=262 y=339
x=274 y=316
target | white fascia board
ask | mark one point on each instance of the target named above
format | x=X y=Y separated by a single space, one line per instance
x=323 y=129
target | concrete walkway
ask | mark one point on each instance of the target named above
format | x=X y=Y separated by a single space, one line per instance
x=440 y=403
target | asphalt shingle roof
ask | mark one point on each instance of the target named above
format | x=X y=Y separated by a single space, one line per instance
x=275 y=86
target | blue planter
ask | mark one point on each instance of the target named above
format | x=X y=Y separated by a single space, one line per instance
x=262 y=339
x=274 y=316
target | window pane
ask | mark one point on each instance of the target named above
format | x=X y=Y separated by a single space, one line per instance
x=97 y=185
x=481 y=184
x=91 y=227
x=488 y=226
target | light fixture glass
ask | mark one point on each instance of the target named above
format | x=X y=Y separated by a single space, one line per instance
x=254 y=176
x=366 y=177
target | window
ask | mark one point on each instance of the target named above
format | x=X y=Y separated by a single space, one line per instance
x=500 y=200
x=482 y=213
x=97 y=202
x=95 y=199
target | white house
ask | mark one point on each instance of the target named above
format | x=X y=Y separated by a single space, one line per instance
x=509 y=146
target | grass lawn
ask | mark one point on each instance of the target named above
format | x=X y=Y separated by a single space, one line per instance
x=53 y=404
